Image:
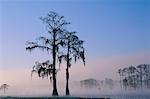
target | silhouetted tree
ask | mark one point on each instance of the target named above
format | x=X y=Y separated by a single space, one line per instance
x=4 y=87
x=55 y=25
x=75 y=50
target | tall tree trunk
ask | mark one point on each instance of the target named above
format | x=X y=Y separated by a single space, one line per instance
x=67 y=82
x=55 y=93
x=67 y=73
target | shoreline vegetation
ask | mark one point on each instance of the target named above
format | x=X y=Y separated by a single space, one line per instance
x=56 y=97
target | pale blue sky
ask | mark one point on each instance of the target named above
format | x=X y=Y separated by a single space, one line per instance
x=108 y=28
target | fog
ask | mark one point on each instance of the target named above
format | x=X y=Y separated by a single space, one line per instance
x=45 y=89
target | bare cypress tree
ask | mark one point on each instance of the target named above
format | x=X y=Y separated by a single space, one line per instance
x=74 y=49
x=55 y=25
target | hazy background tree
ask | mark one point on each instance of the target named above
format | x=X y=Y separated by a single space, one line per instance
x=109 y=83
x=55 y=25
x=120 y=72
x=140 y=73
x=4 y=87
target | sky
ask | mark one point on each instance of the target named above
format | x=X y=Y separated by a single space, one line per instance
x=116 y=35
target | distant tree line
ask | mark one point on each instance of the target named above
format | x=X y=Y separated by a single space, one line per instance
x=89 y=83
x=135 y=77
x=98 y=84
x=109 y=83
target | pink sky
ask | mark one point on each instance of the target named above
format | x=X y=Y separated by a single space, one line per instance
x=96 y=67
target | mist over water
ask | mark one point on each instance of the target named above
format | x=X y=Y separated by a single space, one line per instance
x=44 y=90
